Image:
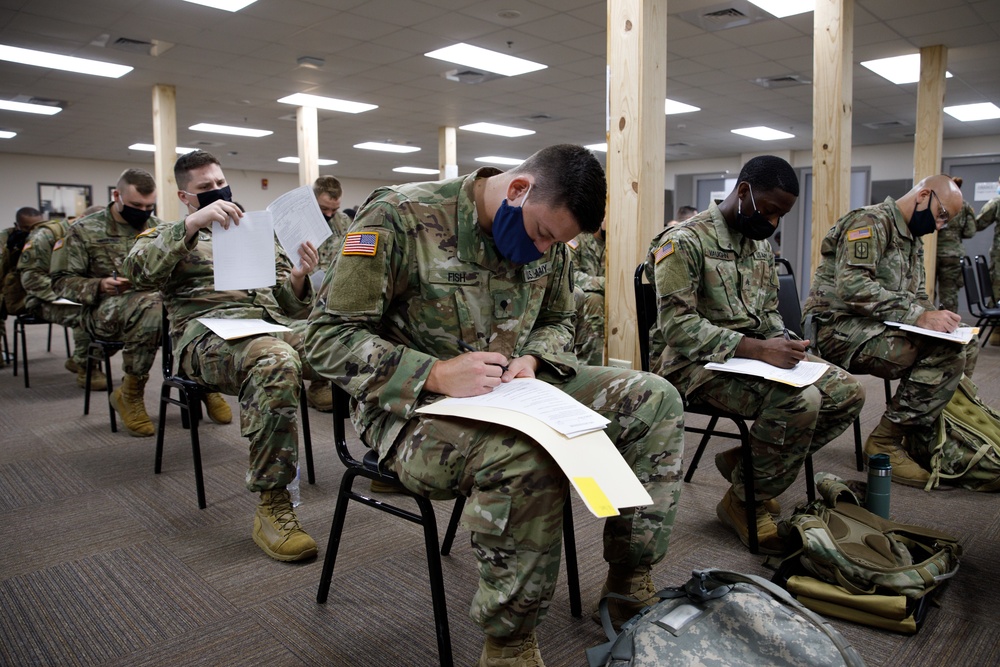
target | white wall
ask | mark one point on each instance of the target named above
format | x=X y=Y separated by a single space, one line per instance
x=20 y=175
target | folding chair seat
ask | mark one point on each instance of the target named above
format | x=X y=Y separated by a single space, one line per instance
x=369 y=468
x=20 y=322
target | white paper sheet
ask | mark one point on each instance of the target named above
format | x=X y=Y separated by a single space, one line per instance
x=62 y=301
x=233 y=329
x=297 y=219
x=243 y=255
x=802 y=374
x=961 y=335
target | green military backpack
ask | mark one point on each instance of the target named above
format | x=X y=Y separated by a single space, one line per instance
x=966 y=450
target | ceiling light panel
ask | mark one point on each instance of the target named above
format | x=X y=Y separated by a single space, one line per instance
x=417 y=170
x=16 y=54
x=671 y=107
x=972 y=112
x=322 y=162
x=228 y=129
x=180 y=150
x=498 y=159
x=388 y=148
x=498 y=130
x=24 y=107
x=484 y=59
x=227 y=5
x=328 y=103
x=762 y=133
x=898 y=69
x=782 y=8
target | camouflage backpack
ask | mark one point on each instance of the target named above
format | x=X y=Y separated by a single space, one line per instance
x=845 y=544
x=967 y=447
x=723 y=619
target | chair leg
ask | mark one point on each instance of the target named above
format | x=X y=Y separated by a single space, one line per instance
x=572 y=568
x=749 y=486
x=69 y=352
x=449 y=534
x=701 y=448
x=16 y=334
x=86 y=383
x=336 y=529
x=810 y=480
x=888 y=392
x=193 y=406
x=111 y=388
x=48 y=342
x=306 y=435
x=858 y=449
x=161 y=426
x=24 y=356
x=437 y=580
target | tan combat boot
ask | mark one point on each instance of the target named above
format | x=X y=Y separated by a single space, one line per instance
x=887 y=438
x=732 y=512
x=71 y=365
x=320 y=396
x=519 y=651
x=127 y=400
x=726 y=463
x=995 y=338
x=217 y=409
x=97 y=380
x=634 y=582
x=277 y=530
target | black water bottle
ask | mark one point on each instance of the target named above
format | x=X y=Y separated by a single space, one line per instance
x=879 y=481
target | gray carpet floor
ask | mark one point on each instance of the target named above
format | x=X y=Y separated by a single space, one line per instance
x=104 y=563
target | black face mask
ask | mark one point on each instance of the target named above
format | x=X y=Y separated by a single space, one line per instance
x=16 y=239
x=754 y=226
x=135 y=217
x=206 y=198
x=923 y=222
x=328 y=218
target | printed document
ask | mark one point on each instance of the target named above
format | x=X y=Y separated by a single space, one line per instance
x=297 y=219
x=233 y=329
x=802 y=374
x=243 y=255
x=960 y=335
x=62 y=301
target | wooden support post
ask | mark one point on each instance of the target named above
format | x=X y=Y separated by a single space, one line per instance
x=637 y=87
x=308 y=135
x=928 y=137
x=165 y=140
x=447 y=152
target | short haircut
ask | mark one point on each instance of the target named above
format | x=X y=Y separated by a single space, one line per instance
x=189 y=162
x=140 y=179
x=768 y=172
x=568 y=176
x=26 y=212
x=329 y=186
x=686 y=212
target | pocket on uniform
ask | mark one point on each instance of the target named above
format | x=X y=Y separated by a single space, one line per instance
x=487 y=512
x=928 y=376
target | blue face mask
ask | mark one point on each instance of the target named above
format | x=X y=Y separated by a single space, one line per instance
x=510 y=236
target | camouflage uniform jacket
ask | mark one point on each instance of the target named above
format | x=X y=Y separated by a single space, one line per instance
x=329 y=251
x=713 y=287
x=36 y=259
x=185 y=275
x=872 y=270
x=435 y=276
x=989 y=214
x=94 y=248
x=962 y=226
x=588 y=262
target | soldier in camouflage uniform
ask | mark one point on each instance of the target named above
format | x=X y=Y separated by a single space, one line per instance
x=587 y=256
x=264 y=370
x=872 y=271
x=989 y=214
x=34 y=266
x=478 y=259
x=949 y=256
x=12 y=242
x=717 y=295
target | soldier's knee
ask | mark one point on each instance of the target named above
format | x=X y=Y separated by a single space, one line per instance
x=275 y=364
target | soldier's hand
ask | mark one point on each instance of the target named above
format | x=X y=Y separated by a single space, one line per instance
x=520 y=367
x=469 y=374
x=223 y=212
x=778 y=352
x=939 y=320
x=112 y=286
x=308 y=259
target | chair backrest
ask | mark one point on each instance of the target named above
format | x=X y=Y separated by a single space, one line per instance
x=341 y=413
x=788 y=298
x=987 y=297
x=645 y=310
x=971 y=287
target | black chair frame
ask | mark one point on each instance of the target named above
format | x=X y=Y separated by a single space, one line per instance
x=987 y=318
x=20 y=322
x=100 y=352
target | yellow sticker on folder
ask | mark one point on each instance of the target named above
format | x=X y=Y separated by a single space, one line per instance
x=592 y=493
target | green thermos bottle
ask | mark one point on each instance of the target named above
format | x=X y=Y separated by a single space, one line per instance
x=879 y=481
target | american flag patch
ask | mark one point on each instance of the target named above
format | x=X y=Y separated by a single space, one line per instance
x=360 y=243
x=58 y=245
x=664 y=250
x=573 y=243
x=856 y=234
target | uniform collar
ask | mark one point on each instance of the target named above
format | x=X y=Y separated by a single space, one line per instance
x=897 y=218
x=723 y=233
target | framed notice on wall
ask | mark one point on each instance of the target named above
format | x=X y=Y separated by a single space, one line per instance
x=63 y=200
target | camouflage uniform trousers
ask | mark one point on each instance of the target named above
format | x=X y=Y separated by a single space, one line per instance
x=790 y=423
x=132 y=318
x=588 y=343
x=949 y=279
x=516 y=491
x=265 y=372
x=67 y=316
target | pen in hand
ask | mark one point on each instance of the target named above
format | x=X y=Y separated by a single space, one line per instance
x=785 y=330
x=465 y=347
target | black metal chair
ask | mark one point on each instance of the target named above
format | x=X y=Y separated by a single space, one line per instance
x=646 y=311
x=987 y=297
x=369 y=468
x=20 y=322
x=100 y=352
x=190 y=396
x=987 y=318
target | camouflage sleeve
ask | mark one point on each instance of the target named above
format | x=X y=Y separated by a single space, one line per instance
x=343 y=340
x=771 y=321
x=988 y=215
x=678 y=276
x=588 y=282
x=290 y=304
x=70 y=270
x=861 y=256
x=588 y=271
x=966 y=221
x=551 y=337
x=155 y=253
x=34 y=264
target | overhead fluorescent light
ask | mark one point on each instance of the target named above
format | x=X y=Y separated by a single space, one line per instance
x=388 y=148
x=417 y=170
x=322 y=162
x=499 y=130
x=227 y=5
x=24 y=107
x=782 y=8
x=329 y=103
x=65 y=63
x=228 y=129
x=180 y=150
x=969 y=112
x=4 y=134
x=496 y=159
x=484 y=59
x=898 y=69
x=673 y=106
x=762 y=133
x=600 y=148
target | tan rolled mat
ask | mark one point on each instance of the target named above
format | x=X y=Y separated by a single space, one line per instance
x=888 y=612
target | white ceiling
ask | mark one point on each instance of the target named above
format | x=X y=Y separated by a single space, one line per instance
x=231 y=68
